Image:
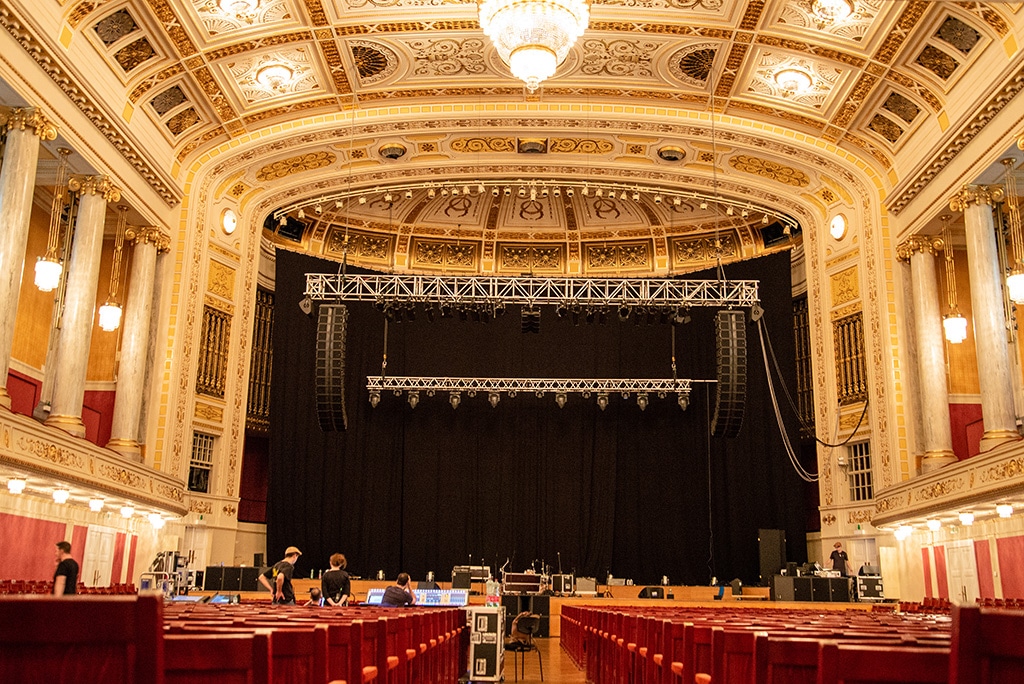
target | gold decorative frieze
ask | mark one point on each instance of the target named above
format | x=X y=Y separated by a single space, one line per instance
x=849 y=421
x=1003 y=471
x=976 y=194
x=211 y=414
x=484 y=144
x=198 y=506
x=770 y=170
x=51 y=452
x=858 y=517
x=122 y=476
x=219 y=304
x=20 y=118
x=296 y=164
x=705 y=249
x=434 y=254
x=580 y=146
x=620 y=58
x=618 y=257
x=95 y=185
x=845 y=286
x=529 y=259
x=167 y=491
x=221 y=280
x=887 y=504
x=361 y=246
x=447 y=56
x=940 y=489
x=848 y=310
x=926 y=244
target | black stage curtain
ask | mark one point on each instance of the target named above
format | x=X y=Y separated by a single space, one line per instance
x=639 y=494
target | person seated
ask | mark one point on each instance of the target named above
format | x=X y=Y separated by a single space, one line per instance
x=400 y=593
x=315 y=598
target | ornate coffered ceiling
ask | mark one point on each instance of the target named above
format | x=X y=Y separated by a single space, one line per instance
x=378 y=92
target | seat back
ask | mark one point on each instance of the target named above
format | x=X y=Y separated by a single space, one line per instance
x=986 y=646
x=96 y=639
x=840 y=663
x=218 y=658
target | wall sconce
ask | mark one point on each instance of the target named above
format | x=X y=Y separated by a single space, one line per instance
x=953 y=322
x=110 y=312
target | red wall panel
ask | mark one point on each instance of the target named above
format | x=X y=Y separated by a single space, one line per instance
x=983 y=560
x=24 y=393
x=965 y=422
x=98 y=414
x=118 y=560
x=131 y=559
x=926 y=563
x=27 y=545
x=941 y=581
x=1011 y=565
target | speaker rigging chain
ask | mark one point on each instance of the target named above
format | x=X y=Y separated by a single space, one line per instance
x=384 y=359
x=802 y=472
x=792 y=405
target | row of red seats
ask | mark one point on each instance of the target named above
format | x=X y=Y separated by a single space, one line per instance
x=928 y=605
x=764 y=647
x=9 y=587
x=1016 y=603
x=128 y=640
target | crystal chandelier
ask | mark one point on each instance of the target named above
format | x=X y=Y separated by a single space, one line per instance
x=953 y=323
x=533 y=37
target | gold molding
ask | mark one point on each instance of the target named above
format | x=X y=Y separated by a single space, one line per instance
x=976 y=194
x=926 y=244
x=96 y=185
x=148 y=234
x=28 y=117
x=845 y=286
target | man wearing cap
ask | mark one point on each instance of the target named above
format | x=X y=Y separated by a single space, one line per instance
x=281 y=576
x=839 y=559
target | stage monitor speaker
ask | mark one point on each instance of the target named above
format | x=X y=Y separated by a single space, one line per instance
x=771 y=545
x=330 y=367
x=462 y=579
x=821 y=589
x=213 y=578
x=232 y=579
x=251 y=579
x=840 y=589
x=731 y=388
x=257 y=560
x=561 y=584
x=426 y=586
x=652 y=593
x=802 y=589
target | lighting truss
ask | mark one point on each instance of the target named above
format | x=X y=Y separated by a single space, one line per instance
x=602 y=388
x=533 y=188
x=658 y=292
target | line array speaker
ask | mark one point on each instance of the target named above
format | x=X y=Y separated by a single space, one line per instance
x=332 y=327
x=731 y=388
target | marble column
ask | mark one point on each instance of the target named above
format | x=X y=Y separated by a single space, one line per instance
x=936 y=433
x=131 y=376
x=25 y=129
x=80 y=303
x=990 y=335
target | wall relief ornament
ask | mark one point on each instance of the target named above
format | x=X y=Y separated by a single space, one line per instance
x=976 y=194
x=95 y=185
x=845 y=286
x=630 y=58
x=198 y=506
x=483 y=144
x=447 y=57
x=51 y=452
x=771 y=170
x=940 y=489
x=297 y=164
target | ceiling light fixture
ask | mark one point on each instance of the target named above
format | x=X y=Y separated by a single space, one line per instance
x=954 y=324
x=127 y=511
x=110 y=311
x=274 y=76
x=48 y=266
x=16 y=485
x=238 y=7
x=61 y=495
x=934 y=524
x=533 y=37
x=831 y=11
x=95 y=505
x=966 y=518
x=903 y=532
x=793 y=81
x=1014 y=281
x=1004 y=510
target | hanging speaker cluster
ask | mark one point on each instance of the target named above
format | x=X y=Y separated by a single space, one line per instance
x=731 y=336
x=332 y=327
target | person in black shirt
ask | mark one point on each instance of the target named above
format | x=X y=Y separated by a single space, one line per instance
x=65 y=578
x=281 y=575
x=839 y=559
x=400 y=593
x=335 y=584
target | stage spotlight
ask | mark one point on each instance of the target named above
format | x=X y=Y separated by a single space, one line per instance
x=589 y=316
x=570 y=192
x=455 y=192
x=463 y=314
x=561 y=311
x=602 y=400
x=522 y=191
x=362 y=199
x=318 y=209
x=455 y=398
x=283 y=221
x=642 y=401
x=431 y=315
x=495 y=191
x=414 y=398
x=410 y=312
x=729 y=211
x=480 y=188
x=493 y=398
x=586 y=191
x=683 y=401
x=677 y=201
x=624 y=312
x=301 y=214
x=408 y=194
x=431 y=193
x=764 y=220
x=374 y=398
x=558 y=191
x=657 y=199
x=508 y=191
x=560 y=399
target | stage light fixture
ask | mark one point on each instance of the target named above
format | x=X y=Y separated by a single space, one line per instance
x=560 y=399
x=522 y=191
x=934 y=524
x=283 y=221
x=318 y=209
x=493 y=398
x=602 y=400
x=455 y=398
x=508 y=191
x=414 y=398
x=1004 y=510
x=903 y=532
x=408 y=194
x=495 y=191
x=704 y=205
x=683 y=401
x=966 y=518
x=127 y=511
x=570 y=192
x=676 y=201
x=623 y=312
x=642 y=401
x=657 y=199
x=374 y=398
x=362 y=199
x=764 y=220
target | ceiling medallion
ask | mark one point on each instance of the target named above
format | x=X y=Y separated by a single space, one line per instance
x=238 y=7
x=274 y=76
x=793 y=81
x=533 y=37
x=831 y=11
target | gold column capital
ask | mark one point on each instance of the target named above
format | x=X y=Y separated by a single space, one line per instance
x=976 y=194
x=930 y=244
x=137 y=234
x=28 y=117
x=96 y=185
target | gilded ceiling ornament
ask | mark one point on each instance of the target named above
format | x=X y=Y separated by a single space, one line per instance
x=114 y=27
x=901 y=106
x=769 y=169
x=580 y=146
x=134 y=54
x=183 y=120
x=885 y=127
x=374 y=61
x=531 y=210
x=705 y=249
x=167 y=100
x=297 y=164
x=853 y=28
x=692 y=65
x=478 y=144
x=976 y=194
x=707 y=5
x=619 y=57
x=272 y=74
x=447 y=57
x=218 y=21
